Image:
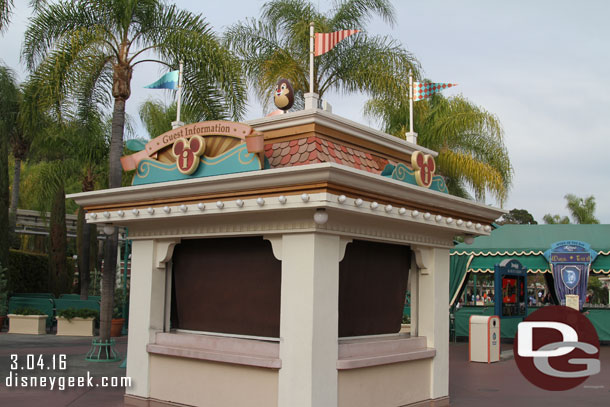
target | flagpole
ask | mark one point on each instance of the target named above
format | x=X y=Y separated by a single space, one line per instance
x=411 y=136
x=311 y=51
x=179 y=92
x=311 y=99
x=178 y=123
x=410 y=101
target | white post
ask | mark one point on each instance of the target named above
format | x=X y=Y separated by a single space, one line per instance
x=433 y=315
x=178 y=123
x=308 y=320
x=411 y=135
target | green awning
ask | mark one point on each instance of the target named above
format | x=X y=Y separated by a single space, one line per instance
x=527 y=243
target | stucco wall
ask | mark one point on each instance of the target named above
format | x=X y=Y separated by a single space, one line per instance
x=201 y=383
x=391 y=385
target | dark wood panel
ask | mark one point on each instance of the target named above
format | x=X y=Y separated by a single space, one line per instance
x=372 y=288
x=227 y=285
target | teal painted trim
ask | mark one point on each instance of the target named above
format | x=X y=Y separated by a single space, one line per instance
x=233 y=161
x=403 y=173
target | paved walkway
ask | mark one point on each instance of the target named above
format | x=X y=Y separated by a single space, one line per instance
x=471 y=384
x=75 y=349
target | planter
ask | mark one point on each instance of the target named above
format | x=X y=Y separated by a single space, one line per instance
x=27 y=324
x=116 y=326
x=255 y=142
x=75 y=326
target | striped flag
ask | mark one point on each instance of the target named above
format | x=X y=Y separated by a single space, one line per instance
x=425 y=90
x=167 y=81
x=324 y=42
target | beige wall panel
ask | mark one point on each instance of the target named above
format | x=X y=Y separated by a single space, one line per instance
x=392 y=385
x=201 y=383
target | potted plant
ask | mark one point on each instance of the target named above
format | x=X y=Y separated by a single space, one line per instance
x=27 y=320
x=118 y=319
x=3 y=296
x=405 y=326
x=76 y=322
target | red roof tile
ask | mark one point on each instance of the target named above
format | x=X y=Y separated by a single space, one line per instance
x=315 y=150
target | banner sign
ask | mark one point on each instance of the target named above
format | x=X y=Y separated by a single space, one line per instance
x=570 y=262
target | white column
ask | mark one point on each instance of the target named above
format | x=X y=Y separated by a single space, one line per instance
x=309 y=320
x=433 y=311
x=146 y=309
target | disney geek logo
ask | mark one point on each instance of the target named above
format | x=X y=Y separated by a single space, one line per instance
x=556 y=348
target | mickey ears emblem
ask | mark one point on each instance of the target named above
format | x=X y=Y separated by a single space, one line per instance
x=283 y=97
x=424 y=167
x=187 y=153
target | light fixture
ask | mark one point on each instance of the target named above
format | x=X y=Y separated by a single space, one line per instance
x=121 y=213
x=402 y=211
x=135 y=211
x=282 y=199
x=438 y=218
x=427 y=215
x=201 y=206
x=260 y=201
x=183 y=208
x=469 y=239
x=374 y=205
x=106 y=214
x=305 y=197
x=151 y=210
x=108 y=229
x=415 y=213
x=220 y=204
x=239 y=203
x=93 y=215
x=358 y=202
x=320 y=217
x=449 y=220
x=388 y=208
x=341 y=199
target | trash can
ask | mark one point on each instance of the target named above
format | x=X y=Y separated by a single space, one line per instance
x=484 y=338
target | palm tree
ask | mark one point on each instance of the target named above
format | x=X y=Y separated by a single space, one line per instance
x=277 y=46
x=6 y=11
x=468 y=138
x=555 y=219
x=582 y=211
x=8 y=117
x=157 y=117
x=89 y=48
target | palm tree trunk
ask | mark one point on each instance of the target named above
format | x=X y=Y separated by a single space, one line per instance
x=4 y=200
x=58 y=276
x=16 y=181
x=84 y=240
x=110 y=248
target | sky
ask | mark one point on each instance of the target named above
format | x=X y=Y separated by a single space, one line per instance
x=542 y=67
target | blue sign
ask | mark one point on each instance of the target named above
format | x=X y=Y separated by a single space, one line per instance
x=570 y=261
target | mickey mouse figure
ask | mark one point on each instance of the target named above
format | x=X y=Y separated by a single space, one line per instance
x=187 y=153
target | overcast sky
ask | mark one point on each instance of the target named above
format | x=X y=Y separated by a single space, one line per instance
x=542 y=67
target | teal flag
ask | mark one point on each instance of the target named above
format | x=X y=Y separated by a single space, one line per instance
x=167 y=81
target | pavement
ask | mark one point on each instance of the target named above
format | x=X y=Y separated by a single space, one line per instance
x=471 y=384
x=74 y=349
